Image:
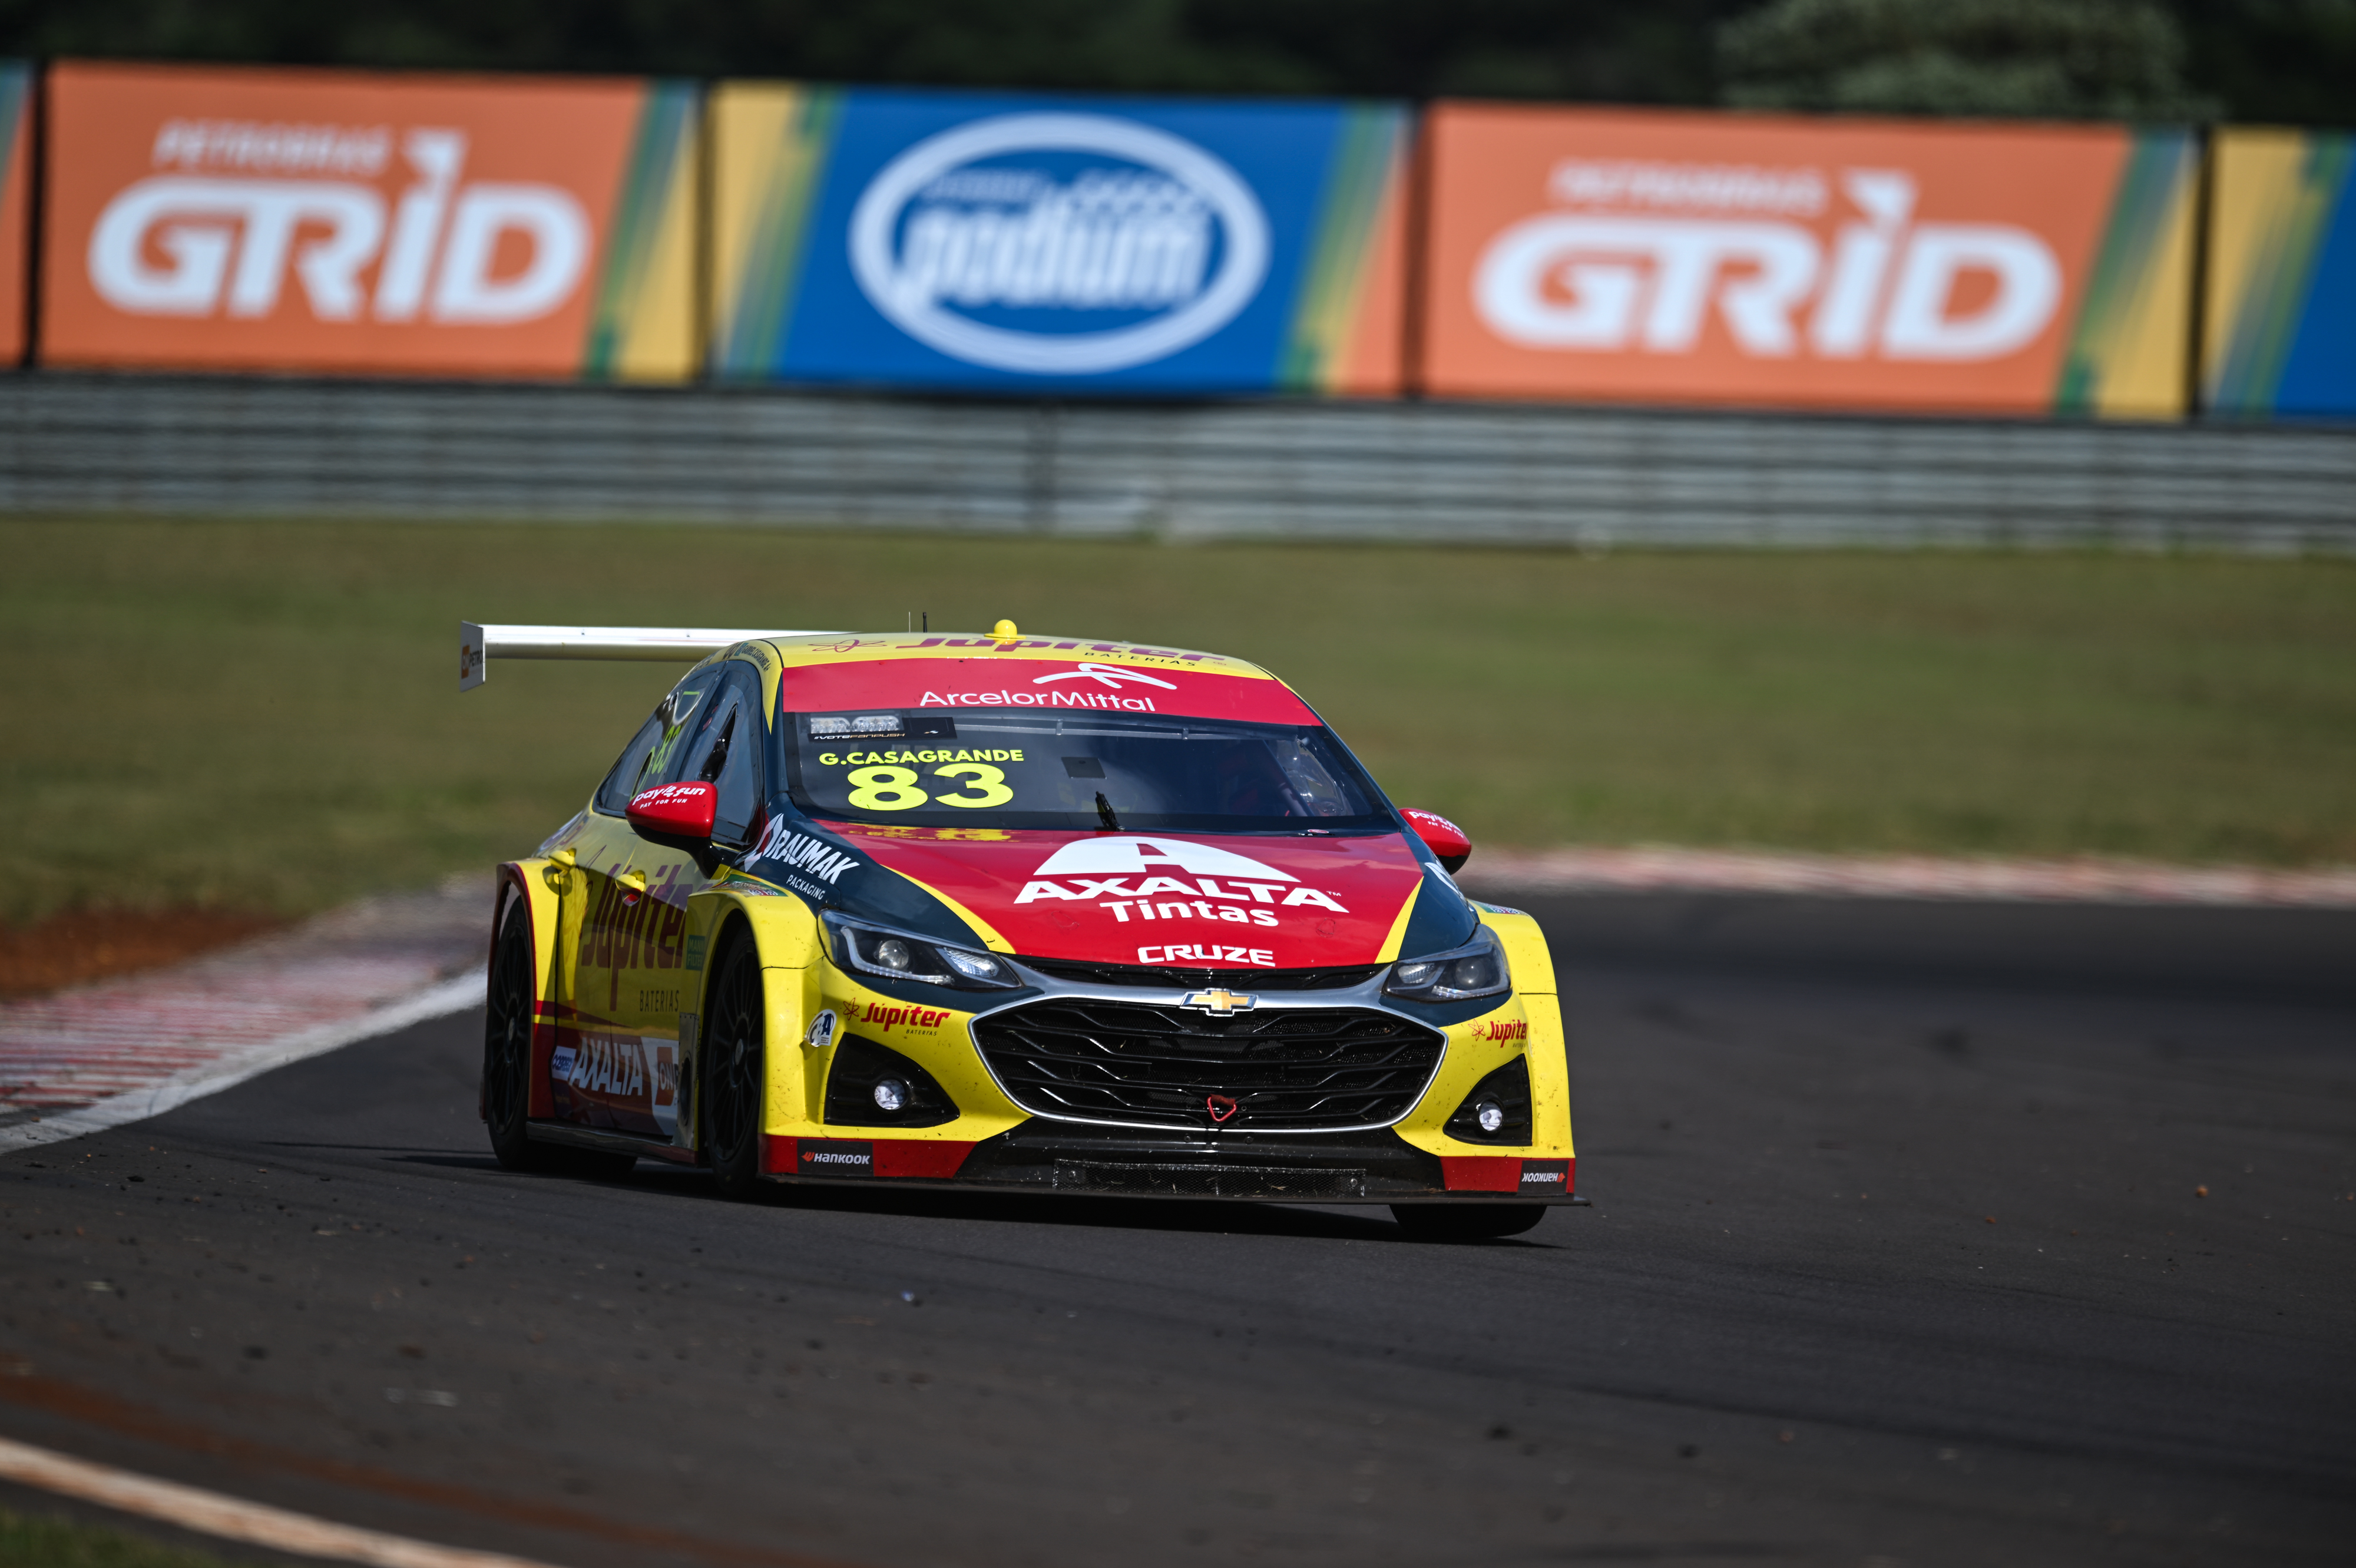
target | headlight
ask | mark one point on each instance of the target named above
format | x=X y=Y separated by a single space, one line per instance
x=900 y=956
x=1477 y=969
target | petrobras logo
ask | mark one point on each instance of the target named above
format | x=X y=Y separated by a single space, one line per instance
x=1645 y=251
x=1058 y=245
x=238 y=211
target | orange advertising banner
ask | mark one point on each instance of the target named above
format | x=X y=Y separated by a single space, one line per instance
x=16 y=204
x=350 y=223
x=1681 y=258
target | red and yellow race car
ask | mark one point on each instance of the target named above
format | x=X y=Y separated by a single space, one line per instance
x=1017 y=914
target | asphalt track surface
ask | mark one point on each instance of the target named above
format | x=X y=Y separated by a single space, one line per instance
x=1896 y=1258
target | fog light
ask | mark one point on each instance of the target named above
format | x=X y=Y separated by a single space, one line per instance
x=1488 y=1113
x=892 y=1095
x=893 y=954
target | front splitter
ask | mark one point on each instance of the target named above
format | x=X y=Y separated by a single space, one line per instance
x=1375 y=1166
x=1034 y=1189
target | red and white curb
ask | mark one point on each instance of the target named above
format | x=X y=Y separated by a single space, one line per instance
x=231 y=1518
x=124 y=1050
x=221 y=1063
x=1652 y=870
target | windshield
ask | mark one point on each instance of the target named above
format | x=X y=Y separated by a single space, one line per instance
x=986 y=767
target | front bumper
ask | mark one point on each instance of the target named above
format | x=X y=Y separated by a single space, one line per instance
x=1045 y=1119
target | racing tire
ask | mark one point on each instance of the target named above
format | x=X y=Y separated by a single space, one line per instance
x=1465 y=1222
x=507 y=1019
x=507 y=1047
x=733 y=1072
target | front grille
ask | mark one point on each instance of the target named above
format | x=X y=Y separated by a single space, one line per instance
x=1284 y=1184
x=1285 y=1069
x=1165 y=979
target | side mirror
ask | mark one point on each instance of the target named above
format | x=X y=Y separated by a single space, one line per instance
x=1442 y=837
x=677 y=816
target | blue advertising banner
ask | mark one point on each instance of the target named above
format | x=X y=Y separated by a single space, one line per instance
x=1019 y=244
x=2280 y=326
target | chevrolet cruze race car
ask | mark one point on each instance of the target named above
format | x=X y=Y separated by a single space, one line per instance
x=1016 y=914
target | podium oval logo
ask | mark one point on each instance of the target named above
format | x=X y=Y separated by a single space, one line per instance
x=1058 y=245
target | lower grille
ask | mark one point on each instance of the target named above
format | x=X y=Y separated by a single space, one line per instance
x=1284 y=1069
x=1210 y=1181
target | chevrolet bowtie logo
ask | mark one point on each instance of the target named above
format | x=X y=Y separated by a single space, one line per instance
x=1220 y=1003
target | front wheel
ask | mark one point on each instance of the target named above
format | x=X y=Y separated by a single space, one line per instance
x=733 y=1072
x=1466 y=1221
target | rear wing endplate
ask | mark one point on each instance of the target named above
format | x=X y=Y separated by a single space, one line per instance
x=478 y=645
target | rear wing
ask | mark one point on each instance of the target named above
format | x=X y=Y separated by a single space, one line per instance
x=478 y=645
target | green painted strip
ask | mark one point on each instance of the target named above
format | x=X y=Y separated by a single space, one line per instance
x=768 y=289
x=657 y=159
x=1367 y=149
x=16 y=96
x=2267 y=317
x=2157 y=171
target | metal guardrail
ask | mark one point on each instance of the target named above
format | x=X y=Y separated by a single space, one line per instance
x=1459 y=473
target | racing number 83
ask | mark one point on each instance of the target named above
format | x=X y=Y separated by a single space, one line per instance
x=895 y=789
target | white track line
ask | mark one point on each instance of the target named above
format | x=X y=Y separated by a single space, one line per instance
x=234 y=1068
x=210 y=1513
x=2086 y=881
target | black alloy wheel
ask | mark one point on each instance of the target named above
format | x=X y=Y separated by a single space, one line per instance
x=1465 y=1222
x=506 y=1045
x=733 y=1075
x=508 y=1018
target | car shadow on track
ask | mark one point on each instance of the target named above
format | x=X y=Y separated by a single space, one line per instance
x=1170 y=1214
x=1176 y=1215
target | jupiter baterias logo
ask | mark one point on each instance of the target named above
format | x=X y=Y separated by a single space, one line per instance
x=1058 y=245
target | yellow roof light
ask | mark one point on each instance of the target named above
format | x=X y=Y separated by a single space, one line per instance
x=1004 y=632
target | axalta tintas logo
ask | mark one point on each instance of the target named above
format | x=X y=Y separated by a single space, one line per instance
x=1058 y=245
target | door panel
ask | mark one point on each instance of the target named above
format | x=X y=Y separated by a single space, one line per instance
x=631 y=974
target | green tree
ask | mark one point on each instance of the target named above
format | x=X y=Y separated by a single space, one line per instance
x=2282 y=60
x=2285 y=61
x=2047 y=58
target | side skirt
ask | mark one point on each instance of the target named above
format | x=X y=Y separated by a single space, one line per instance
x=609 y=1143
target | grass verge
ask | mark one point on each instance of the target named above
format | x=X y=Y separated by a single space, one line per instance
x=263 y=715
x=29 y=1542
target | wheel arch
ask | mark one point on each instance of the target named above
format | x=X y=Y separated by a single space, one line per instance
x=532 y=884
x=1548 y=1046
x=784 y=931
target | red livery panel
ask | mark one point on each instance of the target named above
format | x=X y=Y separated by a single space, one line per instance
x=927 y=1159
x=1273 y=901
x=1086 y=686
x=1480 y=1172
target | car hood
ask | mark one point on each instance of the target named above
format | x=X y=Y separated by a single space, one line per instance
x=1242 y=901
